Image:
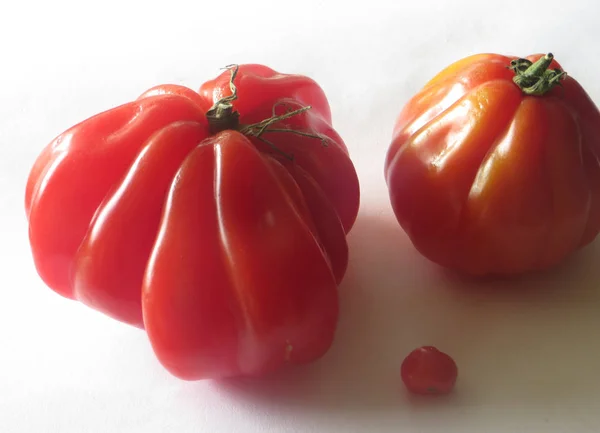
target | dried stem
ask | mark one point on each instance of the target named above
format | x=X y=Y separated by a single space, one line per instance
x=222 y=116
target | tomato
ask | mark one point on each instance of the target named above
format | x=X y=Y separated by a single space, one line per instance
x=215 y=220
x=427 y=370
x=493 y=167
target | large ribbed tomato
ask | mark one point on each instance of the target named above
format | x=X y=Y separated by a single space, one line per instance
x=493 y=167
x=183 y=214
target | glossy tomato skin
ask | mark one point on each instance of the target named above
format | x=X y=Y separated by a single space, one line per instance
x=487 y=180
x=260 y=89
x=113 y=255
x=272 y=296
x=234 y=275
x=428 y=371
x=79 y=171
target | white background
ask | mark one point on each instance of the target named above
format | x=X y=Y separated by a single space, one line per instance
x=527 y=350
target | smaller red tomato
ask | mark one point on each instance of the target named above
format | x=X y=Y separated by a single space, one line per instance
x=426 y=370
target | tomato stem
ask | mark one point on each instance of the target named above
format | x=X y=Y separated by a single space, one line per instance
x=222 y=116
x=535 y=78
x=258 y=129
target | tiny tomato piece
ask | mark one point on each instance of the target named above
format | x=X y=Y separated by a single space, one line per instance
x=427 y=370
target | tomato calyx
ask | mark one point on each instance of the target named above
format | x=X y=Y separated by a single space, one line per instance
x=222 y=116
x=535 y=78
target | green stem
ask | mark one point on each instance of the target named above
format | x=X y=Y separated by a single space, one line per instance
x=535 y=78
x=538 y=68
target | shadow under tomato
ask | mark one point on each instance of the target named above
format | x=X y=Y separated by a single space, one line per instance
x=516 y=341
x=580 y=265
x=528 y=340
x=360 y=373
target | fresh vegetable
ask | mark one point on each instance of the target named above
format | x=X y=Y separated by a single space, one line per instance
x=493 y=167
x=216 y=220
x=427 y=370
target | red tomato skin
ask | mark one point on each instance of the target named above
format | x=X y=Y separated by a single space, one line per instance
x=427 y=371
x=175 y=89
x=268 y=296
x=259 y=85
x=79 y=169
x=261 y=88
x=331 y=233
x=487 y=180
x=104 y=229
x=111 y=261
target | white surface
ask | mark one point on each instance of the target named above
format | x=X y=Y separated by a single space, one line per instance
x=528 y=355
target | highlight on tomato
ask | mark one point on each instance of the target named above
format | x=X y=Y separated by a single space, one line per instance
x=215 y=220
x=493 y=166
